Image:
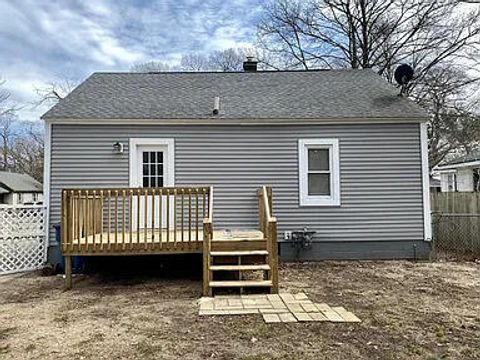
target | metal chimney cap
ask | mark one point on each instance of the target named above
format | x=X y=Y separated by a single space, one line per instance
x=250 y=65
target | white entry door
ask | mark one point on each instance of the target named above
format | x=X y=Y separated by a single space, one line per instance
x=151 y=166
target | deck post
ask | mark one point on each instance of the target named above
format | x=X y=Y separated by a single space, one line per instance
x=207 y=229
x=68 y=272
x=207 y=239
x=273 y=255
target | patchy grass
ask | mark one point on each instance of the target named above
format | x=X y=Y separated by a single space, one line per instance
x=415 y=311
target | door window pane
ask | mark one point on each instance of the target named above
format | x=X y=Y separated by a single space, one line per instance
x=318 y=160
x=319 y=184
x=153 y=181
x=152 y=168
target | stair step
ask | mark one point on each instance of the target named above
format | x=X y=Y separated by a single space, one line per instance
x=239 y=253
x=239 y=267
x=241 y=283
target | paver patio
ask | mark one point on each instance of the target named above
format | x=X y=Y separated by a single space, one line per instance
x=275 y=308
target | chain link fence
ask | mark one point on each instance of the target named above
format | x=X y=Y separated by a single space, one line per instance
x=456 y=225
x=456 y=235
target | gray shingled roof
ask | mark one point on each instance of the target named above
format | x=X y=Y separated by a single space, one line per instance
x=253 y=95
x=473 y=156
x=19 y=182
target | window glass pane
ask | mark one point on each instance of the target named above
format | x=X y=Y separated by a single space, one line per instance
x=318 y=159
x=145 y=181
x=159 y=181
x=159 y=169
x=152 y=157
x=160 y=157
x=319 y=184
x=145 y=169
x=153 y=169
x=153 y=182
x=145 y=157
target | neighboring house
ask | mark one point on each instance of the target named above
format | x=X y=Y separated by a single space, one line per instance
x=460 y=174
x=19 y=189
x=346 y=156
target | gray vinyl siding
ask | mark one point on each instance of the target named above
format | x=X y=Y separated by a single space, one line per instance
x=380 y=173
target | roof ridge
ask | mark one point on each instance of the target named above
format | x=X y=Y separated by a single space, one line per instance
x=231 y=72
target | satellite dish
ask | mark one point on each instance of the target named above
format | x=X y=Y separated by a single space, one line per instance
x=403 y=74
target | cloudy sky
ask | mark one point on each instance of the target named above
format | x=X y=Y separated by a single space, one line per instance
x=45 y=40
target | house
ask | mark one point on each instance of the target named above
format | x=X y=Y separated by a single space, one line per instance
x=19 y=189
x=460 y=174
x=338 y=152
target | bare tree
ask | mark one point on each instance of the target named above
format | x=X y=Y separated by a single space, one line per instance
x=227 y=60
x=21 y=143
x=54 y=91
x=218 y=60
x=224 y=60
x=7 y=135
x=432 y=36
x=7 y=114
x=28 y=150
x=449 y=96
x=153 y=66
x=6 y=108
x=194 y=62
x=370 y=34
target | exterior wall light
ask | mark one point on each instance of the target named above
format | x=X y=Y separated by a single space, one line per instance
x=118 y=148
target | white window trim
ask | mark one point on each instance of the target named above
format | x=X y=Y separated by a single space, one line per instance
x=334 y=155
x=169 y=180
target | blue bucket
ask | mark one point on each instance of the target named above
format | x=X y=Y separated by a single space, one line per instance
x=78 y=262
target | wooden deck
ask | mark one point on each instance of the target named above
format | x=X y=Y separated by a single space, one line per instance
x=148 y=242
x=152 y=221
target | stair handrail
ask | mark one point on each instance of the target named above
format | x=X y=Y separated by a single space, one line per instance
x=267 y=202
x=207 y=244
x=268 y=225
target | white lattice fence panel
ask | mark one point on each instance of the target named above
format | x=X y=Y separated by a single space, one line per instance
x=22 y=238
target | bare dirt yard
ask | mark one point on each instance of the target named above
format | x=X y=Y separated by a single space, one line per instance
x=409 y=311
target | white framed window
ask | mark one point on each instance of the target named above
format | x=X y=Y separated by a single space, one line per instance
x=319 y=172
x=452 y=181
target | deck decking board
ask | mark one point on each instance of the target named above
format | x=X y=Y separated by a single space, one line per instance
x=146 y=242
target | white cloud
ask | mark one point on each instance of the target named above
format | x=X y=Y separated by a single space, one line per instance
x=42 y=40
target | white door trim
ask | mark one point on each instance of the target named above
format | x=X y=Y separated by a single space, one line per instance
x=169 y=179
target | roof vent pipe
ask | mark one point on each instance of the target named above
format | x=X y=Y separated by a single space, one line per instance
x=216 y=105
x=250 y=65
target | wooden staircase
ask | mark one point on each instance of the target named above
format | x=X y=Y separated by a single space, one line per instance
x=239 y=259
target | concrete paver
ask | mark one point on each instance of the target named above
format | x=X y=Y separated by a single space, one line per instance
x=275 y=308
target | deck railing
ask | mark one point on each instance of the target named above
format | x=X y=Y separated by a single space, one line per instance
x=135 y=220
x=267 y=223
